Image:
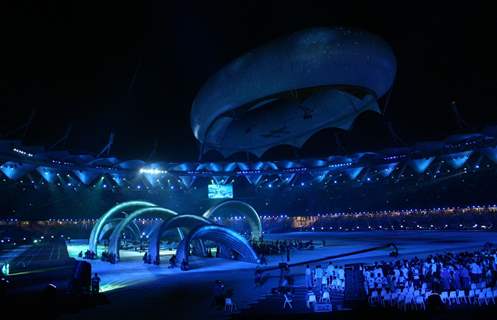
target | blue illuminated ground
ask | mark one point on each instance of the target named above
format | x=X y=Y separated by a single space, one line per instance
x=139 y=288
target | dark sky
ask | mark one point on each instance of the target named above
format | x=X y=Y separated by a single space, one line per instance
x=75 y=62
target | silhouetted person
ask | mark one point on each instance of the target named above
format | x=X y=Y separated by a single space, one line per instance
x=258 y=277
x=172 y=261
x=95 y=284
x=218 y=292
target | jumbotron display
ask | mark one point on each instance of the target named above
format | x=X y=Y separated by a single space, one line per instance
x=220 y=191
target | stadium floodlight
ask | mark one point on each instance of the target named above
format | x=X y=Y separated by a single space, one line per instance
x=152 y=171
x=22 y=152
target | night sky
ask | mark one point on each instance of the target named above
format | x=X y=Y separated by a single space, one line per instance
x=135 y=69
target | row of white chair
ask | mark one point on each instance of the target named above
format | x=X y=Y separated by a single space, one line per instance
x=417 y=300
x=477 y=296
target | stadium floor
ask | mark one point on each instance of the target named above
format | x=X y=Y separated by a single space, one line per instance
x=139 y=289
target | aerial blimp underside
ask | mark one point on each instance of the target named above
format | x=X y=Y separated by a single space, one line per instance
x=288 y=90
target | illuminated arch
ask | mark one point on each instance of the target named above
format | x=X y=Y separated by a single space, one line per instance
x=228 y=238
x=97 y=228
x=187 y=220
x=115 y=237
x=243 y=208
x=133 y=228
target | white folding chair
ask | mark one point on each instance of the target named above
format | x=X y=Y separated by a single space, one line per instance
x=445 y=297
x=393 y=298
x=482 y=298
x=408 y=301
x=400 y=300
x=383 y=292
x=424 y=286
x=311 y=299
x=453 y=297
x=373 y=299
x=288 y=301
x=461 y=296
x=325 y=297
x=472 y=296
x=427 y=294
x=387 y=299
x=477 y=292
x=420 y=301
x=229 y=305
x=489 y=296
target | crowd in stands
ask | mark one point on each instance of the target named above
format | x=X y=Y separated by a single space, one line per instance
x=269 y=248
x=477 y=218
x=457 y=278
x=450 y=218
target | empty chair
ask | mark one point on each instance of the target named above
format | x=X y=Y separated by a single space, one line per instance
x=489 y=296
x=427 y=294
x=311 y=300
x=482 y=297
x=383 y=292
x=325 y=297
x=229 y=305
x=477 y=292
x=400 y=299
x=473 y=286
x=445 y=297
x=394 y=298
x=453 y=297
x=374 y=297
x=461 y=296
x=408 y=300
x=471 y=296
x=387 y=299
x=420 y=302
x=288 y=301
x=424 y=286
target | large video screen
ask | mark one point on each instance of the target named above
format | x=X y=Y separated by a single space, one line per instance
x=220 y=191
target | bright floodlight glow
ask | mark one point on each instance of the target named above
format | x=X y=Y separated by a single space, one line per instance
x=152 y=171
x=22 y=152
